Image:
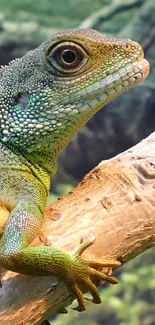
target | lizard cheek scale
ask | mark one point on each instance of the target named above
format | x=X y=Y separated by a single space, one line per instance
x=45 y=98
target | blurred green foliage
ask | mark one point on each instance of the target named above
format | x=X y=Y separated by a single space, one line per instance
x=34 y=21
x=63 y=189
x=75 y=9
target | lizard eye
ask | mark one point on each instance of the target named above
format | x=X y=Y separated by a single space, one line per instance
x=67 y=57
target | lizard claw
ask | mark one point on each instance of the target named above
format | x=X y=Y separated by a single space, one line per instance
x=86 y=269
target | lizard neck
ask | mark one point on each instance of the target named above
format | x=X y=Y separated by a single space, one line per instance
x=43 y=164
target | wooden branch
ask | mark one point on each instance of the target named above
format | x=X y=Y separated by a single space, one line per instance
x=116 y=203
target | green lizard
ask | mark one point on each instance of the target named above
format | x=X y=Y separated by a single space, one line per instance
x=45 y=98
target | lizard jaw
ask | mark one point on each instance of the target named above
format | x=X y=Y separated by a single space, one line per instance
x=104 y=91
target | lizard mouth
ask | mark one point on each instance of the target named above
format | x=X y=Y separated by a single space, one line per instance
x=105 y=90
x=121 y=82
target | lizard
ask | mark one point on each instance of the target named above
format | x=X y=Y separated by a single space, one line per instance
x=46 y=97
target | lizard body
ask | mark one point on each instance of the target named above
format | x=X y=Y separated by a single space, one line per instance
x=45 y=98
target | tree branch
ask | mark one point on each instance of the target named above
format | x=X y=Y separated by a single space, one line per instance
x=116 y=203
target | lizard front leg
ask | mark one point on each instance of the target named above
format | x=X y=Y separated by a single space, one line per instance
x=23 y=225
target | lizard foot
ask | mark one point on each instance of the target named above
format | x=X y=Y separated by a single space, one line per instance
x=87 y=270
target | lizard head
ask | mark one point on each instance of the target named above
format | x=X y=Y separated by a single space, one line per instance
x=51 y=92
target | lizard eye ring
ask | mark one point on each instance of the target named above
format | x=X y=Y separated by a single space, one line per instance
x=67 y=57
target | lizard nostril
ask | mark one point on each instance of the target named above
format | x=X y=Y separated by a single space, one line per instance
x=127 y=47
